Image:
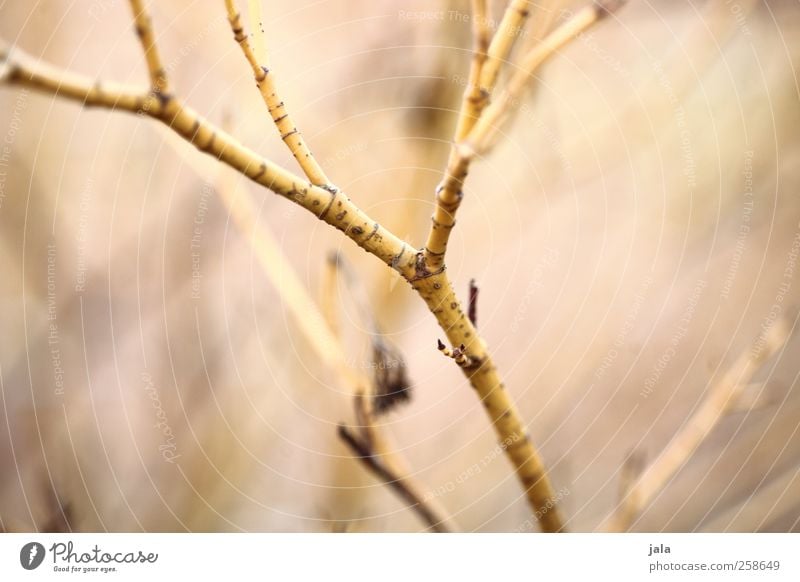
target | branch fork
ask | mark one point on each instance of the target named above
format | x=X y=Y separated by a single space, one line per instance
x=423 y=269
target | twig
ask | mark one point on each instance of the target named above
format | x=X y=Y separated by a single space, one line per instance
x=370 y=399
x=390 y=382
x=275 y=106
x=479 y=139
x=507 y=33
x=335 y=208
x=486 y=62
x=319 y=326
x=720 y=400
x=256 y=17
x=144 y=30
x=475 y=95
x=449 y=192
x=364 y=444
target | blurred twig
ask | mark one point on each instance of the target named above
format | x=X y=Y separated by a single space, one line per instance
x=721 y=399
x=480 y=138
x=369 y=446
x=144 y=30
x=388 y=387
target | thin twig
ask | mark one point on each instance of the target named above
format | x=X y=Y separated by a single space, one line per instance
x=390 y=382
x=335 y=208
x=507 y=33
x=719 y=401
x=475 y=95
x=486 y=62
x=458 y=355
x=449 y=192
x=144 y=30
x=275 y=106
x=479 y=139
x=378 y=396
x=363 y=444
x=472 y=306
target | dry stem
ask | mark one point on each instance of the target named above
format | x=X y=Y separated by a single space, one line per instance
x=507 y=33
x=475 y=95
x=371 y=448
x=476 y=126
x=720 y=400
x=479 y=139
x=335 y=208
x=486 y=61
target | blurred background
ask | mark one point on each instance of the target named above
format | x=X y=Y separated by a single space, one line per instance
x=633 y=231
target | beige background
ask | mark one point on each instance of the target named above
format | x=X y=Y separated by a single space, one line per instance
x=617 y=190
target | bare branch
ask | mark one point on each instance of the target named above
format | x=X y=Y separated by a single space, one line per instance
x=449 y=192
x=391 y=385
x=335 y=208
x=475 y=95
x=721 y=399
x=367 y=446
x=507 y=33
x=479 y=139
x=332 y=206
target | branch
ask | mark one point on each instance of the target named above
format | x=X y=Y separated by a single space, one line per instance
x=475 y=94
x=369 y=448
x=390 y=382
x=475 y=141
x=336 y=209
x=486 y=62
x=437 y=292
x=507 y=33
x=720 y=400
x=144 y=30
x=276 y=108
x=479 y=139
